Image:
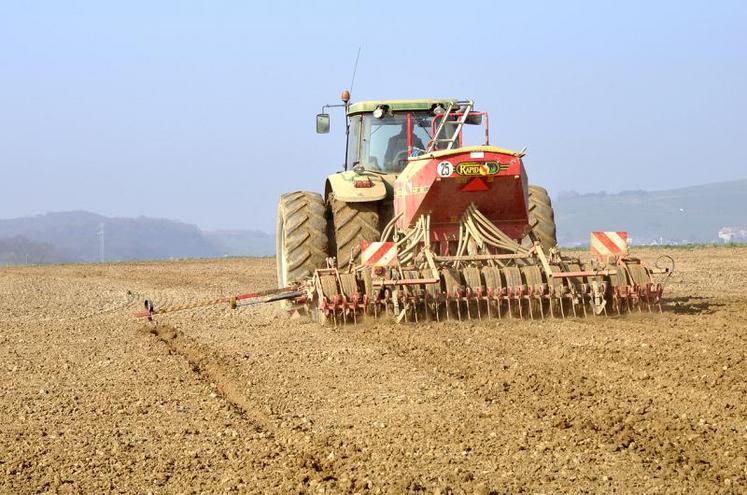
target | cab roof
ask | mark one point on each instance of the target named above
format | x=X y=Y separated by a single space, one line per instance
x=399 y=105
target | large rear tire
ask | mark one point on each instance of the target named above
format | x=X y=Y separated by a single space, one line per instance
x=301 y=244
x=353 y=223
x=542 y=216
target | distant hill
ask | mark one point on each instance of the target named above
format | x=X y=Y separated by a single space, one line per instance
x=74 y=237
x=676 y=216
x=241 y=242
x=706 y=213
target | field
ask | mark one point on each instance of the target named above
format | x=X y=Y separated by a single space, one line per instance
x=246 y=400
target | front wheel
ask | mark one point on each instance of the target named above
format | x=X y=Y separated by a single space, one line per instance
x=353 y=223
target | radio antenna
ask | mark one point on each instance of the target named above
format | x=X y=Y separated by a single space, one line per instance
x=355 y=68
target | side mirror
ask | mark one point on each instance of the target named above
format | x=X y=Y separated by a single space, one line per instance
x=322 y=123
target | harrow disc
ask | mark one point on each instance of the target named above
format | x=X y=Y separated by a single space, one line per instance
x=514 y=290
x=494 y=287
x=533 y=280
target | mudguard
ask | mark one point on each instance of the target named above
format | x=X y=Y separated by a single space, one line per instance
x=343 y=185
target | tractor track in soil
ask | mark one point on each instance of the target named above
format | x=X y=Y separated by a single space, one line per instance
x=216 y=369
x=214 y=400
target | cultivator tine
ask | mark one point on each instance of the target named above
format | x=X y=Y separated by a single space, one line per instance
x=402 y=314
x=552 y=312
x=616 y=298
x=583 y=306
x=396 y=311
x=562 y=310
x=574 y=302
x=629 y=300
x=542 y=307
x=518 y=303
x=645 y=293
x=508 y=300
x=529 y=304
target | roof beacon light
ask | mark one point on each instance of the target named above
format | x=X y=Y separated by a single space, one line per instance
x=345 y=96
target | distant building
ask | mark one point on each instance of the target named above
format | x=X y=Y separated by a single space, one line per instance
x=733 y=234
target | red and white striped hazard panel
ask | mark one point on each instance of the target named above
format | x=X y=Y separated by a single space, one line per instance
x=379 y=253
x=604 y=244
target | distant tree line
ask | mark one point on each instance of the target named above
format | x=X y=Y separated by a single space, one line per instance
x=18 y=250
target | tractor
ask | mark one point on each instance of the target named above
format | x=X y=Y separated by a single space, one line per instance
x=420 y=224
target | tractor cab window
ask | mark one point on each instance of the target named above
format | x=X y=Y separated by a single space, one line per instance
x=421 y=133
x=383 y=144
x=354 y=137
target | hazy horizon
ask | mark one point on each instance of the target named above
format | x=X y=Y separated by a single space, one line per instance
x=204 y=112
x=556 y=195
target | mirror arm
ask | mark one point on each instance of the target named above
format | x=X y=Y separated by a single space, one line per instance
x=347 y=128
x=332 y=106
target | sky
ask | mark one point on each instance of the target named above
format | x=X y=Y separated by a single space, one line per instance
x=203 y=111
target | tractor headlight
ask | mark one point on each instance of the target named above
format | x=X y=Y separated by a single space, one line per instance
x=378 y=113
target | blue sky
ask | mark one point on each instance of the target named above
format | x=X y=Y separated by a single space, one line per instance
x=204 y=111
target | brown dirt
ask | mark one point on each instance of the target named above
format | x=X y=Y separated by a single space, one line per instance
x=215 y=400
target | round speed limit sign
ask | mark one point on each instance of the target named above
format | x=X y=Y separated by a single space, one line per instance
x=445 y=169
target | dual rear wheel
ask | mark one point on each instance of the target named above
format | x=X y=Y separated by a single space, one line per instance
x=541 y=217
x=308 y=231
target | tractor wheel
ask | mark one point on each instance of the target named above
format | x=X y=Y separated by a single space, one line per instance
x=301 y=236
x=541 y=212
x=353 y=223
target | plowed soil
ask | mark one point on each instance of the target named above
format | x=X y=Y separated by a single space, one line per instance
x=93 y=400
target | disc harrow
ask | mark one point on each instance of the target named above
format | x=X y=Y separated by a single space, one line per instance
x=526 y=290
